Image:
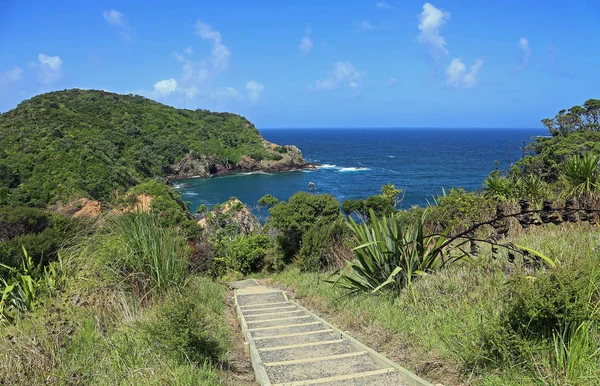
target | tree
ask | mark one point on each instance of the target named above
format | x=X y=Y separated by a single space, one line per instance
x=267 y=200
x=297 y=216
x=550 y=124
x=592 y=112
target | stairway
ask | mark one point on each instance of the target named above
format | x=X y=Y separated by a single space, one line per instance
x=290 y=346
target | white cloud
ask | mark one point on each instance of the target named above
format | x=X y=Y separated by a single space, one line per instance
x=114 y=17
x=392 y=81
x=383 y=5
x=165 y=87
x=430 y=22
x=525 y=54
x=10 y=76
x=254 y=90
x=117 y=19
x=220 y=53
x=343 y=72
x=224 y=94
x=457 y=75
x=50 y=68
x=306 y=43
x=365 y=25
x=189 y=51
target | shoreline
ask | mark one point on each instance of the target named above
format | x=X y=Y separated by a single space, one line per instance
x=226 y=172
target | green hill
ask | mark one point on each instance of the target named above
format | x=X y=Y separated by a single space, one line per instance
x=86 y=143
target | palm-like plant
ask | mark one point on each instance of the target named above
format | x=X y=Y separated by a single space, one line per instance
x=499 y=188
x=388 y=256
x=533 y=187
x=581 y=174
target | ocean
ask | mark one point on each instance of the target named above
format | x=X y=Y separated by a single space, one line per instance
x=355 y=163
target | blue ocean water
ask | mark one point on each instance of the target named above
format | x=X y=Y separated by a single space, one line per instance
x=357 y=162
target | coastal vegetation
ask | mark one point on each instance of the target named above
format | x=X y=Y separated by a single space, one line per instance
x=499 y=287
x=85 y=143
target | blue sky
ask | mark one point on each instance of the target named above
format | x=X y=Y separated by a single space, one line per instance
x=314 y=63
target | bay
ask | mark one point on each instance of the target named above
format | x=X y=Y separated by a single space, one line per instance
x=355 y=163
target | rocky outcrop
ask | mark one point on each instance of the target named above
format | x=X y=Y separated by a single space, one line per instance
x=280 y=159
x=233 y=211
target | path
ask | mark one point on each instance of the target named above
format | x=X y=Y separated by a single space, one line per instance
x=291 y=346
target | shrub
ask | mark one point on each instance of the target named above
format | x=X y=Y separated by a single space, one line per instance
x=245 y=254
x=537 y=310
x=189 y=328
x=317 y=242
x=298 y=215
x=268 y=200
x=168 y=205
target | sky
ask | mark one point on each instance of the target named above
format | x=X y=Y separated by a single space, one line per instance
x=314 y=63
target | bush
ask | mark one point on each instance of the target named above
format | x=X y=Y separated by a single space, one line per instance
x=537 y=309
x=298 y=215
x=41 y=234
x=316 y=246
x=268 y=200
x=168 y=205
x=189 y=328
x=245 y=254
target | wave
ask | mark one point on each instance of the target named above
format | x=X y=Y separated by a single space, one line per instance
x=391 y=156
x=356 y=169
x=190 y=194
x=328 y=166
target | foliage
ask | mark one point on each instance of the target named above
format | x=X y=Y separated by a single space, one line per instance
x=167 y=205
x=557 y=309
x=577 y=118
x=454 y=312
x=73 y=143
x=383 y=204
x=315 y=253
x=390 y=257
x=28 y=283
x=581 y=174
x=268 y=200
x=40 y=233
x=243 y=254
x=458 y=207
x=150 y=257
x=202 y=209
x=298 y=215
x=185 y=327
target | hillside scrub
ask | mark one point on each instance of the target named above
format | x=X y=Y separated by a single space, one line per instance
x=76 y=143
x=124 y=309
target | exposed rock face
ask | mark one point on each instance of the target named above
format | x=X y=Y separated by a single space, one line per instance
x=82 y=207
x=238 y=214
x=203 y=166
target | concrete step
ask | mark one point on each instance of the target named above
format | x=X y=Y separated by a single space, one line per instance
x=306 y=350
x=260 y=332
x=281 y=320
x=270 y=309
x=315 y=368
x=391 y=378
x=260 y=298
x=275 y=314
x=289 y=339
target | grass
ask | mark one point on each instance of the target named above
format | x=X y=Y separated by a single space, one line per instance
x=103 y=327
x=438 y=334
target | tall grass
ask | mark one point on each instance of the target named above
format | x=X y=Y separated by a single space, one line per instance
x=151 y=257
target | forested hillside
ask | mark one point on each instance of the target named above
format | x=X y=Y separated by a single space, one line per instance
x=75 y=143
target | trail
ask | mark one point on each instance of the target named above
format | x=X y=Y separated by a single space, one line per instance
x=291 y=346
